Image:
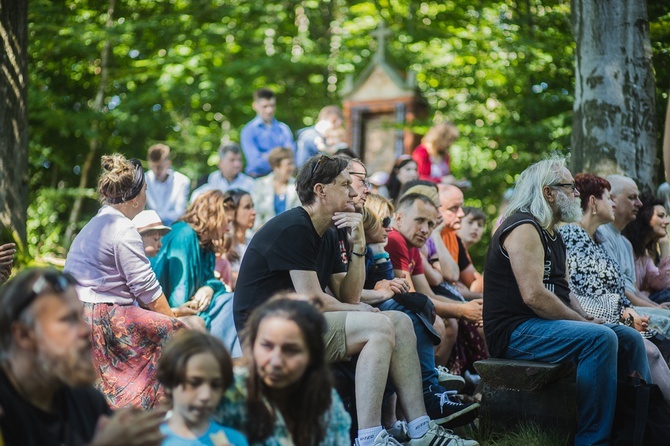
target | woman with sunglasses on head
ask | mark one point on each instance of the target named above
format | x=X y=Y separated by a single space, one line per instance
x=123 y=302
x=241 y=212
x=389 y=293
x=185 y=265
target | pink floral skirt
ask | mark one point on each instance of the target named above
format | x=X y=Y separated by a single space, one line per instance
x=126 y=344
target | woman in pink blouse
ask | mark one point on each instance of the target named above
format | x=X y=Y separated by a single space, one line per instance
x=649 y=237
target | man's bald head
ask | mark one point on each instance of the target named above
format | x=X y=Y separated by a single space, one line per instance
x=451 y=199
x=626 y=197
x=618 y=182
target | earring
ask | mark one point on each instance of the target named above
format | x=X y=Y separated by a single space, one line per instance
x=135 y=205
x=595 y=211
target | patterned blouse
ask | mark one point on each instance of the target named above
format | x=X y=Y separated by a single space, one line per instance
x=232 y=411
x=595 y=278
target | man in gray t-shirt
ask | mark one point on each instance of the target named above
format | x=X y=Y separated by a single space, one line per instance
x=626 y=197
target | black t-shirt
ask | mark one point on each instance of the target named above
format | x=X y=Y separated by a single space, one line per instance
x=504 y=308
x=463 y=258
x=288 y=242
x=73 y=424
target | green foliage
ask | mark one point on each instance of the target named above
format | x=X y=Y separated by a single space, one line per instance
x=47 y=217
x=183 y=72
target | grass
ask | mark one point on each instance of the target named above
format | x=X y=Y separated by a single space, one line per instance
x=526 y=435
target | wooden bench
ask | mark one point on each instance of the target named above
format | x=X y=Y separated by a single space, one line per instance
x=522 y=392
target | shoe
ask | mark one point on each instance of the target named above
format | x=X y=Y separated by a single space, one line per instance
x=439 y=436
x=399 y=431
x=382 y=439
x=448 y=380
x=448 y=413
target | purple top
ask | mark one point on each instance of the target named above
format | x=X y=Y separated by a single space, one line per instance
x=107 y=260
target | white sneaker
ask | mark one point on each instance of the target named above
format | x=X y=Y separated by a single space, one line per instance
x=384 y=439
x=399 y=431
x=448 y=380
x=439 y=436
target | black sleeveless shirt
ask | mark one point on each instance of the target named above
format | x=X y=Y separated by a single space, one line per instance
x=504 y=308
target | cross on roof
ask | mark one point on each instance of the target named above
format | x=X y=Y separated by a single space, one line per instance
x=380 y=34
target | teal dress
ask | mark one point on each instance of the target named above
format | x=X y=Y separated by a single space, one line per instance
x=182 y=266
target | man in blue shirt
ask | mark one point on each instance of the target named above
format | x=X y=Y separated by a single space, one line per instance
x=312 y=140
x=264 y=133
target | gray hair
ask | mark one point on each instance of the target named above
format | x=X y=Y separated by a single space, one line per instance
x=617 y=183
x=528 y=194
x=229 y=147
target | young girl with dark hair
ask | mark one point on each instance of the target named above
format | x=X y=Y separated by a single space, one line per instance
x=195 y=370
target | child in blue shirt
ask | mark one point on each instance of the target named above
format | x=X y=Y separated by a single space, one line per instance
x=195 y=370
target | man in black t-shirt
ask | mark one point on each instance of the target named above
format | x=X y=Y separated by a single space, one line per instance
x=529 y=311
x=298 y=250
x=46 y=373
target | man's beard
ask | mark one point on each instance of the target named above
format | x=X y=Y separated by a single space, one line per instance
x=71 y=368
x=569 y=210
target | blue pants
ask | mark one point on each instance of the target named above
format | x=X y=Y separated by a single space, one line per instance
x=598 y=351
x=424 y=344
x=660 y=296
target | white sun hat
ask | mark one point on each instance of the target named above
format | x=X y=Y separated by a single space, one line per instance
x=150 y=221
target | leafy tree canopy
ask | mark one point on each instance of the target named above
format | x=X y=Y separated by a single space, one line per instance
x=183 y=72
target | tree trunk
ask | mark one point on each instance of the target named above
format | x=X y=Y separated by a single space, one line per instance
x=613 y=126
x=13 y=118
x=94 y=144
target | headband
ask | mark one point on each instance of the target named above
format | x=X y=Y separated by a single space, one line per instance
x=138 y=184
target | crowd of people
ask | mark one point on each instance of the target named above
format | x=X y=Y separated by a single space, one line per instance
x=318 y=308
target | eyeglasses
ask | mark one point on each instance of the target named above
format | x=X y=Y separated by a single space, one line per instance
x=59 y=282
x=566 y=185
x=386 y=222
x=365 y=179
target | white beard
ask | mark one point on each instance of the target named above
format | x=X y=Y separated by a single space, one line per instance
x=569 y=210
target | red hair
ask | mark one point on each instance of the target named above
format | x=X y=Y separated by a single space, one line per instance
x=588 y=184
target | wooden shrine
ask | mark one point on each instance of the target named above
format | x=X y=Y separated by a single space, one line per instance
x=379 y=107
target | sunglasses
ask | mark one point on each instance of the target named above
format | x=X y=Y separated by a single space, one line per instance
x=386 y=222
x=318 y=163
x=55 y=280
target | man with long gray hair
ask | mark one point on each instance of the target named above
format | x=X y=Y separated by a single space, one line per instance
x=529 y=311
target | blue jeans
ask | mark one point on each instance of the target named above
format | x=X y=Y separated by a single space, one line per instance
x=424 y=344
x=660 y=296
x=594 y=349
